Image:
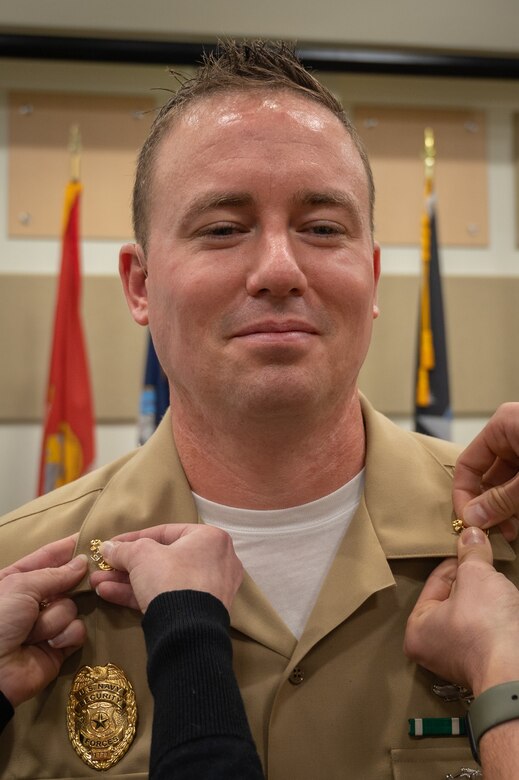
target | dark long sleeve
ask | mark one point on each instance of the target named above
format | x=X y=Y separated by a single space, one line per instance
x=200 y=730
x=6 y=711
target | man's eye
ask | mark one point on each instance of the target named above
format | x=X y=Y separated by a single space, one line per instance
x=220 y=231
x=325 y=229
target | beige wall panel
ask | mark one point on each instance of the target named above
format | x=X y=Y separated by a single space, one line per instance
x=482 y=326
x=112 y=130
x=116 y=347
x=395 y=139
x=387 y=374
x=483 y=333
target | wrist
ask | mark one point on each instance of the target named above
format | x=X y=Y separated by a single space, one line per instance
x=10 y=682
x=490 y=666
x=495 y=674
x=6 y=689
x=495 y=706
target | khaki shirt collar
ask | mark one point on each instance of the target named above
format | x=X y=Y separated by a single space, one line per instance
x=149 y=489
x=406 y=512
x=408 y=492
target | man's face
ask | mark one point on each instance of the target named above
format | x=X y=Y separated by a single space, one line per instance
x=262 y=275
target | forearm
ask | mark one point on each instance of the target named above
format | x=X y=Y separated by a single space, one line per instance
x=499 y=751
x=200 y=728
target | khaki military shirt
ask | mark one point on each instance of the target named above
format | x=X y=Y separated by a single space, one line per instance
x=334 y=704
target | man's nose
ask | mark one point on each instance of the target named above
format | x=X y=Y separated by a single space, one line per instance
x=275 y=269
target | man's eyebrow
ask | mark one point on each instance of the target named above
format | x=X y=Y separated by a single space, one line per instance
x=327 y=198
x=214 y=200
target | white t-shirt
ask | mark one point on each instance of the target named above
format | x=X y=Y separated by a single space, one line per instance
x=288 y=552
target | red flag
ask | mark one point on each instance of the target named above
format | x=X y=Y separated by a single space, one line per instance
x=68 y=438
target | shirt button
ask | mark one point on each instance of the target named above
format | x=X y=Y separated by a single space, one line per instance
x=296 y=676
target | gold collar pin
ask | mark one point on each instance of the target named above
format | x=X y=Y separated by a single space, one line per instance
x=96 y=556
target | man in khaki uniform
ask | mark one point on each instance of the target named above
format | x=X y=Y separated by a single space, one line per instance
x=257 y=273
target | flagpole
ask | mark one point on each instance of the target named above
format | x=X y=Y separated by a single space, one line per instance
x=68 y=435
x=432 y=398
x=429 y=154
x=74 y=147
x=426 y=348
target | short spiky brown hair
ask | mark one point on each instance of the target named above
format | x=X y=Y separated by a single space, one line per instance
x=236 y=67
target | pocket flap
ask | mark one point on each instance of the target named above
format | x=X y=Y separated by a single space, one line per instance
x=430 y=763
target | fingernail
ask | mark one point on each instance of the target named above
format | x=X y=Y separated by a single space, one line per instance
x=472 y=535
x=475 y=514
x=59 y=641
x=107 y=548
x=78 y=563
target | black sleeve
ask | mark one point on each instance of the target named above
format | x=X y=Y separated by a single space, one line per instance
x=6 y=711
x=200 y=730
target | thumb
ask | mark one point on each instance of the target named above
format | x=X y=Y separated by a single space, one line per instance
x=124 y=556
x=118 y=554
x=495 y=504
x=47 y=583
x=474 y=545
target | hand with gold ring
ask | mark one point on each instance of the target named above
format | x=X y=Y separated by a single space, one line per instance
x=38 y=625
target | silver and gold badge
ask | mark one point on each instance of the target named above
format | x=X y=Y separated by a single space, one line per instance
x=101 y=715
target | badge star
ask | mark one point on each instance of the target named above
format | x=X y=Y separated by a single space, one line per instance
x=99 y=720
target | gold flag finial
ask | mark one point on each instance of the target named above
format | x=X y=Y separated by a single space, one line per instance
x=74 y=147
x=429 y=152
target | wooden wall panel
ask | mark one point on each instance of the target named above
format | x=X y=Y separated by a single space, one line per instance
x=112 y=130
x=394 y=138
x=482 y=318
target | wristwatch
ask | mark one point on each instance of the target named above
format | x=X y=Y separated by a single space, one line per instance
x=494 y=706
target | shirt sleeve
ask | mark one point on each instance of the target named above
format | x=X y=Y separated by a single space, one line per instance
x=200 y=730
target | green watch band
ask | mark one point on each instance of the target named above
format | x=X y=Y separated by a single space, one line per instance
x=494 y=706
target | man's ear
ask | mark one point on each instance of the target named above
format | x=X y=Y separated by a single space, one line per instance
x=376 y=275
x=133 y=273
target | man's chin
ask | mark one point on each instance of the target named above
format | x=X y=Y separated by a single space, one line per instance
x=281 y=392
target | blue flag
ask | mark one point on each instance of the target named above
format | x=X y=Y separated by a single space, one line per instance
x=154 y=396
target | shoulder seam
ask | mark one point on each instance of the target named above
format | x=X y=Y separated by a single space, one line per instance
x=52 y=506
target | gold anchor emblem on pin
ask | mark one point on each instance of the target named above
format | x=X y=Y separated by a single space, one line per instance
x=458 y=525
x=96 y=556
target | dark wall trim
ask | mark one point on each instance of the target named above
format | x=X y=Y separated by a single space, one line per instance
x=351 y=60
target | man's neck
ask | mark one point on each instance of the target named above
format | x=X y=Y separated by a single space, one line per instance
x=271 y=465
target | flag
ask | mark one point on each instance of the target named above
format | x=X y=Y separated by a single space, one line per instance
x=433 y=414
x=154 y=396
x=68 y=437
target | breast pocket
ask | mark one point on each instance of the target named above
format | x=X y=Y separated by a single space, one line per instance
x=434 y=764
x=131 y=776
